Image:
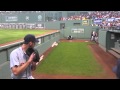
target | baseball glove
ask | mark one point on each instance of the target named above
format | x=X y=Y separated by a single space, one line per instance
x=30 y=51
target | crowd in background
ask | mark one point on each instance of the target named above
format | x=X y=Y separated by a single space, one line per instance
x=107 y=19
x=94 y=15
x=103 y=19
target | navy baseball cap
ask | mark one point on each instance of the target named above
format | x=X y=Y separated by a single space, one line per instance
x=30 y=38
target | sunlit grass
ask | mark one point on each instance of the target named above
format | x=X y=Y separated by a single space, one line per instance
x=70 y=58
x=8 y=35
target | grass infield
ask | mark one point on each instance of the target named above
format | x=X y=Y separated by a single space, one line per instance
x=70 y=58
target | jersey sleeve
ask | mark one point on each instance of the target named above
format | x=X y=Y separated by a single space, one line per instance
x=14 y=59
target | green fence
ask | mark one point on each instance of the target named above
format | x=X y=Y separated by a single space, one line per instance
x=79 y=29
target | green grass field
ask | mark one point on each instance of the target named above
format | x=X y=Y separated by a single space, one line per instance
x=8 y=35
x=70 y=58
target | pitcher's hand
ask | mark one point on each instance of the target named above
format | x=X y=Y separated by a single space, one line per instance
x=31 y=57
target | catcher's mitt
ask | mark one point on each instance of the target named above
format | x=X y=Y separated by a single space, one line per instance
x=30 y=51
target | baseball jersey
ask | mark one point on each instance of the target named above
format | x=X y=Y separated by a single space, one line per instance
x=17 y=57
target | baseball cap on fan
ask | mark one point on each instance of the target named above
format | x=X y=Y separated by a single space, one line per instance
x=30 y=38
